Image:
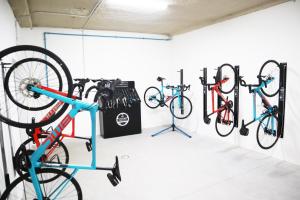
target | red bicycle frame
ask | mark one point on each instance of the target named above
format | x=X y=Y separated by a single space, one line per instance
x=215 y=88
x=38 y=131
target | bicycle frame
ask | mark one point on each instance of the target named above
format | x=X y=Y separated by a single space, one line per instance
x=38 y=131
x=174 y=94
x=214 y=89
x=266 y=103
x=77 y=106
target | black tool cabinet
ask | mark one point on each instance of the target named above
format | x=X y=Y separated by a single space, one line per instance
x=121 y=115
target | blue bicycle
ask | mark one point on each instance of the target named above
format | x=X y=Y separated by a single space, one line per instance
x=266 y=134
x=37 y=73
x=180 y=105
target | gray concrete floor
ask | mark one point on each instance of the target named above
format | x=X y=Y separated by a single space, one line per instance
x=173 y=167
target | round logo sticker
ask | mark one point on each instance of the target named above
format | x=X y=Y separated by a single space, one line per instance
x=122 y=119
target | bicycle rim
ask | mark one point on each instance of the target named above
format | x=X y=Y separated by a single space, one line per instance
x=152 y=97
x=21 y=189
x=227 y=71
x=181 y=108
x=270 y=69
x=224 y=123
x=31 y=65
x=56 y=153
x=266 y=134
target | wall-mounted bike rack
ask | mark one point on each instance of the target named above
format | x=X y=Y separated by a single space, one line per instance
x=205 y=89
x=218 y=78
x=2 y=145
x=3 y=157
x=281 y=99
x=236 y=96
x=271 y=119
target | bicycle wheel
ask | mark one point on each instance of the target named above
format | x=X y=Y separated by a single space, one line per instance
x=224 y=122
x=31 y=66
x=23 y=80
x=270 y=69
x=21 y=189
x=266 y=134
x=227 y=72
x=56 y=153
x=181 y=108
x=152 y=97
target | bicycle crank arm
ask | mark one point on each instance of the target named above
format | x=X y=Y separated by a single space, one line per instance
x=82 y=138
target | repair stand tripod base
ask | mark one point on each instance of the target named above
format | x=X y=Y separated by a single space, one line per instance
x=174 y=128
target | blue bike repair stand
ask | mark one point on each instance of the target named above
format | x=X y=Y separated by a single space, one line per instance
x=173 y=127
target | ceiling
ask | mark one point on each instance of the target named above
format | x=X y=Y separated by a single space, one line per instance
x=180 y=16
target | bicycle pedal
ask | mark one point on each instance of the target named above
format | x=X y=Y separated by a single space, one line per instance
x=116 y=170
x=207 y=120
x=113 y=180
x=244 y=131
x=88 y=146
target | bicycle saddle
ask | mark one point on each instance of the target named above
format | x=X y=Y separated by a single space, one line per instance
x=160 y=78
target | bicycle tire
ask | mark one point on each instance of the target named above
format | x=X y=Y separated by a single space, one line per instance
x=18 y=159
x=216 y=124
x=9 y=192
x=264 y=91
x=189 y=103
x=220 y=69
x=63 y=67
x=257 y=133
x=158 y=100
x=20 y=63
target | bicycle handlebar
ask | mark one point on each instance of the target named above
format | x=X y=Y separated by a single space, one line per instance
x=261 y=79
x=104 y=88
x=207 y=84
x=80 y=85
x=179 y=87
x=184 y=87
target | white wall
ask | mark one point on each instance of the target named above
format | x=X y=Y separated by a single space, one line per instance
x=95 y=57
x=7 y=39
x=247 y=41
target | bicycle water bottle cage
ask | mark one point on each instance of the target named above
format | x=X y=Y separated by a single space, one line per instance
x=244 y=131
x=55 y=159
x=160 y=78
x=115 y=176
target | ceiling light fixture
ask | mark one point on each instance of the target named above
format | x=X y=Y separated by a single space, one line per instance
x=141 y=5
